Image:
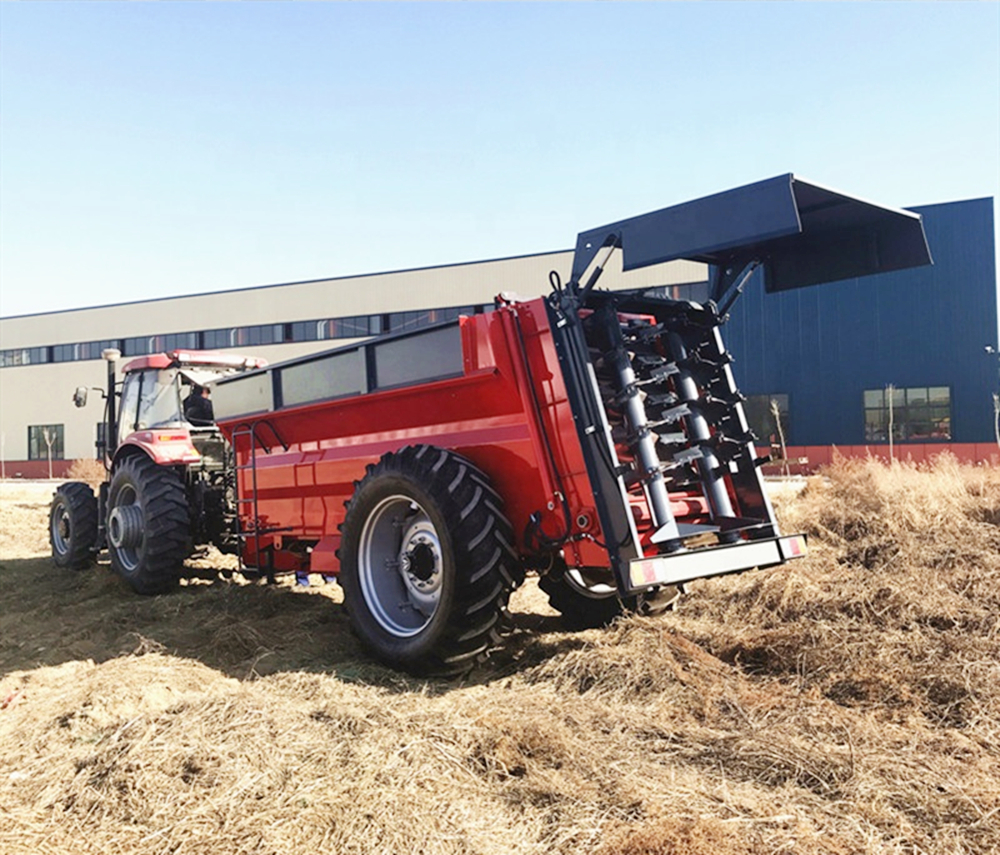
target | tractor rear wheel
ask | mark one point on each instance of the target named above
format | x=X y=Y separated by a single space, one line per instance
x=426 y=561
x=590 y=603
x=73 y=525
x=148 y=525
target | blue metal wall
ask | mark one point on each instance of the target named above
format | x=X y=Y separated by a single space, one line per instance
x=824 y=345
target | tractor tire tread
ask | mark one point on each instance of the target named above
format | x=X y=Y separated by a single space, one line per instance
x=166 y=521
x=484 y=564
x=81 y=543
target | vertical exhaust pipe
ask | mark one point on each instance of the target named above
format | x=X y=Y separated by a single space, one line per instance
x=111 y=356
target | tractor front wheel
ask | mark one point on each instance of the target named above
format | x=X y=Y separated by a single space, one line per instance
x=426 y=561
x=73 y=525
x=148 y=525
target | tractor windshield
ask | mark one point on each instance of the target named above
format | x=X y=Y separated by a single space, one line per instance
x=153 y=397
x=149 y=399
x=159 y=402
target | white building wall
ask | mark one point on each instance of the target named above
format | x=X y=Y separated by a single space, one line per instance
x=42 y=394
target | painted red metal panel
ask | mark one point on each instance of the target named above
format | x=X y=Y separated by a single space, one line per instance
x=171 y=447
x=509 y=413
x=487 y=415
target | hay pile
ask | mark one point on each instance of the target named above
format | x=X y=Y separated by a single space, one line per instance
x=849 y=702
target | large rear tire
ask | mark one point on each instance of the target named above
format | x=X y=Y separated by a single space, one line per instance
x=148 y=525
x=589 y=603
x=73 y=525
x=426 y=561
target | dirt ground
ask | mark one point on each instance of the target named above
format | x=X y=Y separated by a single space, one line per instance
x=848 y=702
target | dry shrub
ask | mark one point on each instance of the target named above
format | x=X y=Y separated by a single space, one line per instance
x=89 y=471
x=938 y=516
x=896 y=608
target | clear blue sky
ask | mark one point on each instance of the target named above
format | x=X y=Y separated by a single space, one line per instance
x=154 y=149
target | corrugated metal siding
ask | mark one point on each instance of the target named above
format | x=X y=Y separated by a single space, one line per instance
x=823 y=346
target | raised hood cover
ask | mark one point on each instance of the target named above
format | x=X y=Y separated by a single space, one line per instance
x=802 y=234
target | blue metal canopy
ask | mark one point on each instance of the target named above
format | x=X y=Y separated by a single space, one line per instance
x=801 y=233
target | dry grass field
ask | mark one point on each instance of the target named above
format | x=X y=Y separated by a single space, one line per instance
x=847 y=703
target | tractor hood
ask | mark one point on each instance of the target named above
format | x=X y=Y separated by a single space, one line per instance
x=801 y=233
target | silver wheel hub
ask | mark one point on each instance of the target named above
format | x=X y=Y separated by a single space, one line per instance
x=420 y=565
x=61 y=529
x=400 y=566
x=125 y=526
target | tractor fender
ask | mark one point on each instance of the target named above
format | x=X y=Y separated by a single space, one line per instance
x=164 y=446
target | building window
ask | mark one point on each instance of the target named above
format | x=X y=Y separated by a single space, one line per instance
x=350 y=327
x=408 y=321
x=696 y=292
x=358 y=326
x=760 y=413
x=305 y=330
x=25 y=356
x=174 y=341
x=137 y=346
x=917 y=414
x=42 y=438
x=64 y=353
x=215 y=339
x=94 y=349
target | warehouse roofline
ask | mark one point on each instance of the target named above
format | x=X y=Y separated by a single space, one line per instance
x=405 y=270
x=289 y=284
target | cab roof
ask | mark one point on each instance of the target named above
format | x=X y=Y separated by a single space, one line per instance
x=190 y=358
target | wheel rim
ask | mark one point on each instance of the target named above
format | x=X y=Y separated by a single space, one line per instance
x=125 y=529
x=400 y=566
x=61 y=528
x=594 y=590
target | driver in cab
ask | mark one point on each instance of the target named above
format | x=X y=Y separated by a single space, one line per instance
x=198 y=407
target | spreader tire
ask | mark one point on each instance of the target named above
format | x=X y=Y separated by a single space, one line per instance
x=73 y=525
x=589 y=606
x=148 y=525
x=426 y=561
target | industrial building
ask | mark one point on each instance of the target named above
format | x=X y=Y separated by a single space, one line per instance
x=839 y=362
x=916 y=346
x=45 y=357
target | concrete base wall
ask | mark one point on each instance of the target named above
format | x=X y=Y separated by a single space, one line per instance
x=807 y=459
x=35 y=469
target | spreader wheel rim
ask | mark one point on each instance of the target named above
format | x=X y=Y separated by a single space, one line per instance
x=401 y=566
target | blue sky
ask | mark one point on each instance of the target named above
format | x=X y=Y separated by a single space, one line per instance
x=155 y=149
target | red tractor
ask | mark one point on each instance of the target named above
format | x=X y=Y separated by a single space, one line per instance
x=596 y=438
x=170 y=485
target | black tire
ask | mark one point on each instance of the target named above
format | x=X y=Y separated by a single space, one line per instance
x=73 y=525
x=148 y=525
x=426 y=561
x=587 y=604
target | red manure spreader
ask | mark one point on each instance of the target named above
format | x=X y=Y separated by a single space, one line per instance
x=596 y=438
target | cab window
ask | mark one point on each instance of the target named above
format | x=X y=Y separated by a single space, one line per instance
x=129 y=405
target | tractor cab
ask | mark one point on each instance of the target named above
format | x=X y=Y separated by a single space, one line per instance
x=168 y=479
x=155 y=397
